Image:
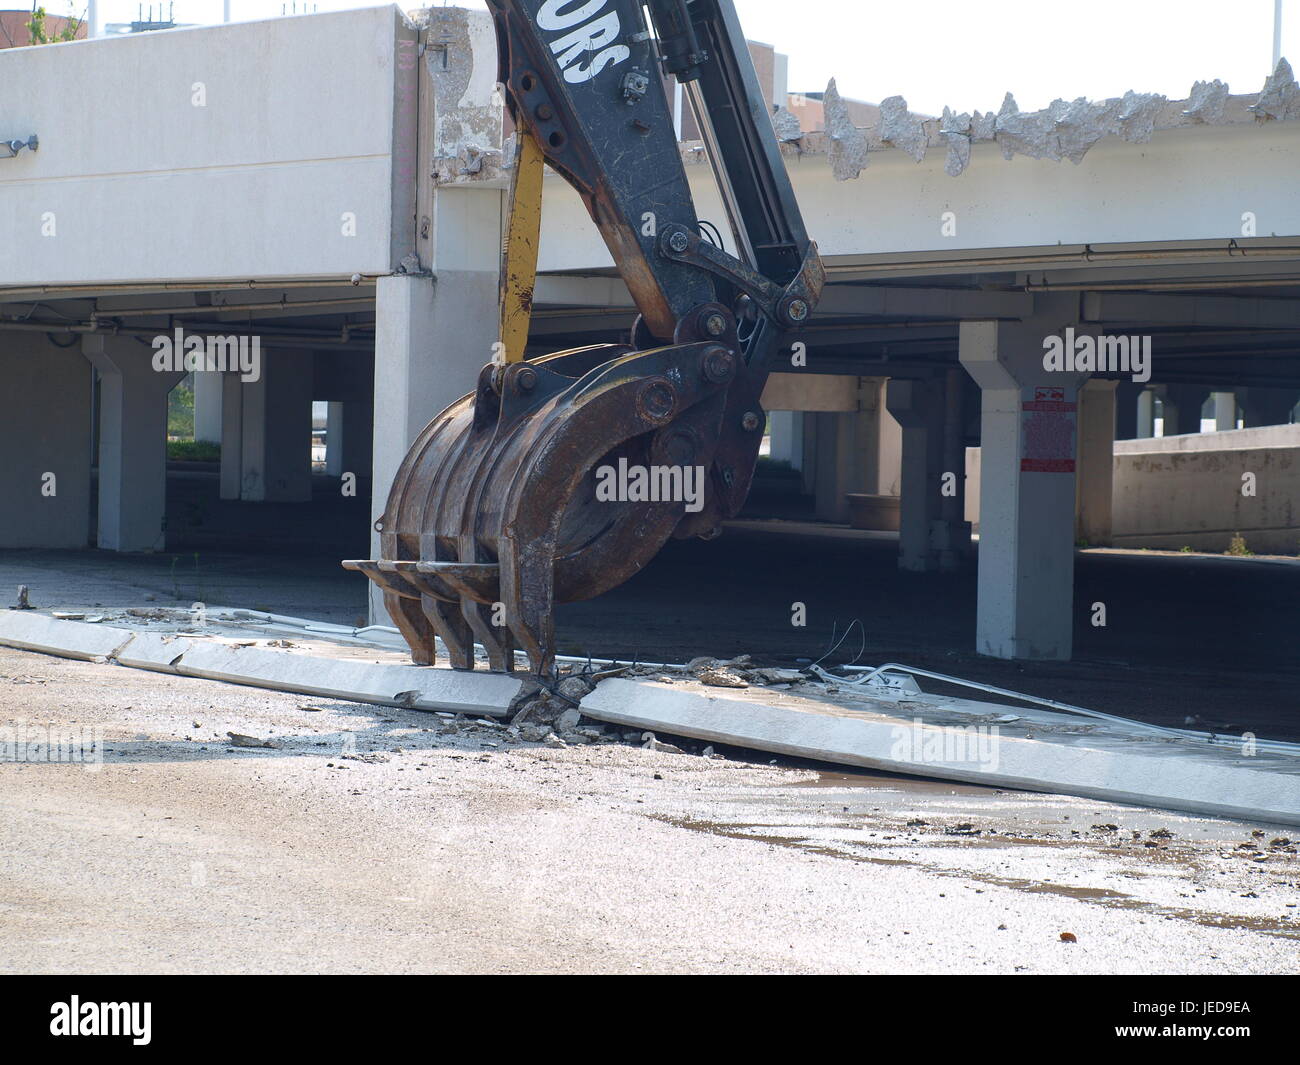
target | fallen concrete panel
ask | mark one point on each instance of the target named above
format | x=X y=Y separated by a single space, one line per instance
x=975 y=742
x=389 y=684
x=419 y=687
x=30 y=631
x=153 y=650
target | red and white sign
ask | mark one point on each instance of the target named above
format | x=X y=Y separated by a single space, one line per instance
x=1047 y=430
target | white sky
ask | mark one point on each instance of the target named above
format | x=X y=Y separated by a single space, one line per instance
x=956 y=52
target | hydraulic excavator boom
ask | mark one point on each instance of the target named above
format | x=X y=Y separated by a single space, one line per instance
x=498 y=511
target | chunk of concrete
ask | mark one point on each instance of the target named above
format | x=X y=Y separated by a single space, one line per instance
x=29 y=631
x=419 y=687
x=1037 y=750
x=154 y=651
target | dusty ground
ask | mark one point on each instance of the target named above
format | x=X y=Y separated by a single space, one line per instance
x=378 y=840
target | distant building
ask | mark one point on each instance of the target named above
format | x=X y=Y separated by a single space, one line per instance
x=15 y=34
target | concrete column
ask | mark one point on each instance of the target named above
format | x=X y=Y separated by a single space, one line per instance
x=1225 y=410
x=347 y=439
x=808 y=450
x=1265 y=406
x=432 y=337
x=917 y=407
x=45 y=426
x=853 y=451
x=952 y=535
x=1095 y=476
x=787 y=437
x=1182 y=408
x=275 y=438
x=1126 y=409
x=208 y=390
x=1146 y=414
x=1028 y=444
x=232 y=435
x=132 y=443
x=888 y=445
x=840 y=461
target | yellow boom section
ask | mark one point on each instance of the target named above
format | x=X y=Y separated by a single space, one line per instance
x=519 y=266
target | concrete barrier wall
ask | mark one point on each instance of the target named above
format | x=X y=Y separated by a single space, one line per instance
x=1193 y=490
x=156 y=148
x=1198 y=499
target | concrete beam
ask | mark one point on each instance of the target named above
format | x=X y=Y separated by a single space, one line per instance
x=1164 y=309
x=903 y=302
x=811 y=392
x=561 y=290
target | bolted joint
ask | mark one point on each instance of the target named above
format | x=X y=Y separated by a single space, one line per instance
x=678 y=241
x=717 y=364
x=795 y=310
x=526 y=379
x=749 y=421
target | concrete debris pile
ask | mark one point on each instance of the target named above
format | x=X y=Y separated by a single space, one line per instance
x=1062 y=130
x=549 y=713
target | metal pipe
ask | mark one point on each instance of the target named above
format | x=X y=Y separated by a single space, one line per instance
x=1232 y=249
x=7 y=294
x=1270 y=746
x=282 y=305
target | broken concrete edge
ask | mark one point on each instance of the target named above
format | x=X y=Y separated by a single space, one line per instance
x=1065 y=129
x=1147 y=776
x=393 y=684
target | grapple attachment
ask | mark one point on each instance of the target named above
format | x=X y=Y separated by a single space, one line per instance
x=556 y=480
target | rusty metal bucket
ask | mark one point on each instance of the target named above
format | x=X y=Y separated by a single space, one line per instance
x=494 y=516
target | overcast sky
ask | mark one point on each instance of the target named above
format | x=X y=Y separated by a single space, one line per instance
x=956 y=52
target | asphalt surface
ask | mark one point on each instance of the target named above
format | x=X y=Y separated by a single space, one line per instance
x=380 y=840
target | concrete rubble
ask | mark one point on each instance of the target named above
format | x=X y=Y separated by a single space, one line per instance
x=806 y=713
x=1062 y=130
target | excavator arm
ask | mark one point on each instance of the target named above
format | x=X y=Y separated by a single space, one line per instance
x=503 y=507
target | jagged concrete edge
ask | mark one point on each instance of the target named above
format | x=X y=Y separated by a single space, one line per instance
x=1062 y=130
x=847 y=739
x=149 y=651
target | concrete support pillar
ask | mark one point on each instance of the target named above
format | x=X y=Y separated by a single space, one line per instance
x=1182 y=408
x=432 y=337
x=933 y=533
x=45 y=426
x=888 y=446
x=275 y=441
x=347 y=439
x=841 y=459
x=1225 y=410
x=1028 y=444
x=917 y=407
x=786 y=443
x=1265 y=406
x=853 y=451
x=232 y=435
x=1126 y=409
x=132 y=443
x=208 y=390
x=1146 y=414
x=1095 y=476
